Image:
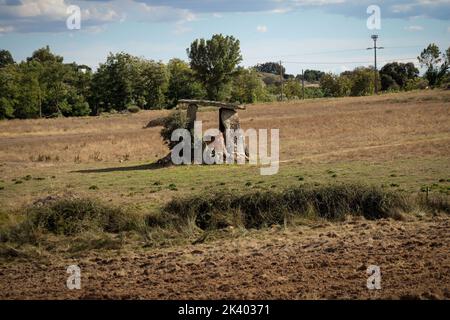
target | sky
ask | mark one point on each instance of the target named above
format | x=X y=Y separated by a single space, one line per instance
x=327 y=35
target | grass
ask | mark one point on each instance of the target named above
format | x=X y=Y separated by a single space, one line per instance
x=86 y=224
x=69 y=217
x=396 y=143
x=265 y=208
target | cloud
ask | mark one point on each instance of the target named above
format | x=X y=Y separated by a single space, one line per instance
x=51 y=15
x=261 y=28
x=438 y=9
x=414 y=28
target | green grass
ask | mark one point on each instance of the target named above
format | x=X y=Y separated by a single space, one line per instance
x=154 y=187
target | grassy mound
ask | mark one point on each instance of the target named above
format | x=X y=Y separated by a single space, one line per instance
x=259 y=209
x=70 y=217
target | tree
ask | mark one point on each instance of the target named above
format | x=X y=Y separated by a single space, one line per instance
x=44 y=55
x=311 y=75
x=5 y=58
x=293 y=89
x=9 y=90
x=362 y=82
x=396 y=75
x=335 y=86
x=154 y=81
x=437 y=64
x=29 y=93
x=125 y=80
x=214 y=62
x=248 y=87
x=270 y=67
x=182 y=83
x=113 y=82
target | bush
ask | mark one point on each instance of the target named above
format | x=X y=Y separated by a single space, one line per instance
x=362 y=82
x=259 y=209
x=335 y=86
x=248 y=87
x=70 y=217
x=133 y=109
x=416 y=84
x=176 y=120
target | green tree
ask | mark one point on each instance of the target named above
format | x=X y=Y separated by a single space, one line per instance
x=154 y=80
x=311 y=75
x=214 y=62
x=114 y=82
x=248 y=87
x=125 y=80
x=44 y=55
x=335 y=86
x=29 y=95
x=362 y=82
x=9 y=90
x=396 y=75
x=270 y=67
x=437 y=64
x=293 y=89
x=182 y=83
x=5 y=58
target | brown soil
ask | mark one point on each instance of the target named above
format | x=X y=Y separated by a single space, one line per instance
x=318 y=261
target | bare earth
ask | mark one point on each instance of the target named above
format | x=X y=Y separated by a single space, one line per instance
x=321 y=261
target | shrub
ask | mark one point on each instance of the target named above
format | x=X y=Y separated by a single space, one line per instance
x=335 y=86
x=176 y=120
x=416 y=84
x=133 y=109
x=248 y=87
x=362 y=82
x=258 y=209
x=70 y=217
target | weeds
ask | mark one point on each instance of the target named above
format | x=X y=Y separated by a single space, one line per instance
x=85 y=224
x=259 y=209
x=70 y=217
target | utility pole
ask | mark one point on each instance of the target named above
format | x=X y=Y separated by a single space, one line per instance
x=303 y=85
x=375 y=38
x=281 y=81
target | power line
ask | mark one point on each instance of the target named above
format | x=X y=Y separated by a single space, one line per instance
x=327 y=52
x=346 y=62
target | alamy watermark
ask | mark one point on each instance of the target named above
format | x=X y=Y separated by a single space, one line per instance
x=374 y=279
x=74 y=280
x=73 y=21
x=374 y=20
x=215 y=147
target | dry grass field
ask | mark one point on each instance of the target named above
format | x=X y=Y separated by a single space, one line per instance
x=398 y=142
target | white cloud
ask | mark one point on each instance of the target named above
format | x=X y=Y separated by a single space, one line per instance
x=414 y=28
x=51 y=15
x=261 y=28
x=5 y=29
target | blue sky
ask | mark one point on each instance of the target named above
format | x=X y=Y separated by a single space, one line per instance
x=329 y=35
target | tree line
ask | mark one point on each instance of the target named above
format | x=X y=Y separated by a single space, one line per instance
x=45 y=86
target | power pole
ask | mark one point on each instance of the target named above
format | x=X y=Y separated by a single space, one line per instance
x=281 y=81
x=375 y=38
x=303 y=85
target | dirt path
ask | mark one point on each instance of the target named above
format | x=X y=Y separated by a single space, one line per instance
x=322 y=261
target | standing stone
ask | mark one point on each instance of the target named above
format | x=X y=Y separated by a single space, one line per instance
x=191 y=115
x=229 y=119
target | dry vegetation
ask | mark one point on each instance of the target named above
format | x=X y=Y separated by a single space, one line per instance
x=331 y=149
